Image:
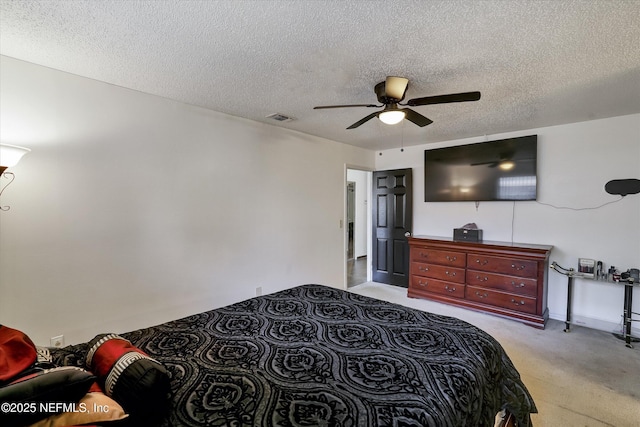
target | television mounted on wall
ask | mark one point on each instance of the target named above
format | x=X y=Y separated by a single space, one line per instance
x=505 y=169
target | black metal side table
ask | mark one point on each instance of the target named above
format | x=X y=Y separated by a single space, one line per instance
x=627 y=314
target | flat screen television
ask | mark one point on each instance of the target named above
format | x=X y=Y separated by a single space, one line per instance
x=488 y=171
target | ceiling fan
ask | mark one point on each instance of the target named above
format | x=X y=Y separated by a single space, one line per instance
x=505 y=161
x=391 y=91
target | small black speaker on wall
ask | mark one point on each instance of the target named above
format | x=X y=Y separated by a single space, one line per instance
x=623 y=186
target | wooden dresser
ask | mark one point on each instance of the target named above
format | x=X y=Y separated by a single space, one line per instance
x=503 y=278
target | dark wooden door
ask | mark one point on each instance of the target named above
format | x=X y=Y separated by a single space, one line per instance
x=392 y=219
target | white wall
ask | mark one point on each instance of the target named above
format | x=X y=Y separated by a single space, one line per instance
x=574 y=163
x=132 y=210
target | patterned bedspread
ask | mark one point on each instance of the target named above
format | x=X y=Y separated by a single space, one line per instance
x=317 y=356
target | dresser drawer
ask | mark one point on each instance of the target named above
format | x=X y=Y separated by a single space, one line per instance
x=437 y=286
x=442 y=272
x=515 y=285
x=502 y=299
x=514 y=267
x=432 y=256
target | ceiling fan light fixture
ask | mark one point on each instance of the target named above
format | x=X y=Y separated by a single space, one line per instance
x=391 y=117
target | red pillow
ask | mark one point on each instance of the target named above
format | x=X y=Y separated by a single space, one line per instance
x=137 y=382
x=17 y=353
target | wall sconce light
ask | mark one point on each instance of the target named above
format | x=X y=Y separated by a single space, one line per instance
x=10 y=155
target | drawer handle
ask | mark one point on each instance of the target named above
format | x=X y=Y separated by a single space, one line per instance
x=421 y=283
x=483 y=262
x=482 y=295
x=424 y=254
x=521 y=302
x=482 y=279
x=451 y=258
x=517 y=285
x=421 y=268
x=452 y=274
x=522 y=267
x=448 y=289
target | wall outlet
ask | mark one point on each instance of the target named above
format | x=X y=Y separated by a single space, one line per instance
x=58 y=341
x=259 y=291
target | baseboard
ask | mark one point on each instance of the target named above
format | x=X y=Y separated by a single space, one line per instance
x=599 y=324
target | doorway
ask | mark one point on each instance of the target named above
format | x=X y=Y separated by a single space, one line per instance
x=357 y=229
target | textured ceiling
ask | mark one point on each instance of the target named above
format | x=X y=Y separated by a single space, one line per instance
x=537 y=63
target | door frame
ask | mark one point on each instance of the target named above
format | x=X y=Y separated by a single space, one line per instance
x=343 y=222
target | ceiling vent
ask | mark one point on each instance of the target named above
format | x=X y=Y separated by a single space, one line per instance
x=279 y=117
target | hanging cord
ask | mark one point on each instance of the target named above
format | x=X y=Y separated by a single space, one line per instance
x=581 y=209
x=513 y=219
x=513 y=210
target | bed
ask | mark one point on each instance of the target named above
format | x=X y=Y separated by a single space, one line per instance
x=318 y=356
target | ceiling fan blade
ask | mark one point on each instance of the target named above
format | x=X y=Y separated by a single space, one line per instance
x=346 y=106
x=395 y=87
x=416 y=118
x=366 y=119
x=491 y=164
x=444 y=99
